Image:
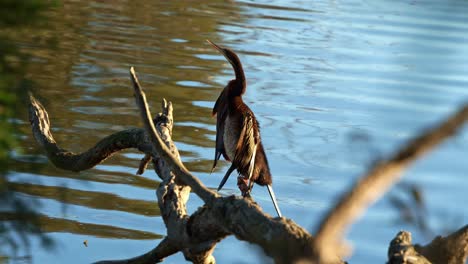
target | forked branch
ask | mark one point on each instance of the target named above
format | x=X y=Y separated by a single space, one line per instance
x=196 y=235
x=174 y=164
x=67 y=160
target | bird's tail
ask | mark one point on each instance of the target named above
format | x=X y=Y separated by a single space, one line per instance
x=273 y=198
x=217 y=156
x=223 y=181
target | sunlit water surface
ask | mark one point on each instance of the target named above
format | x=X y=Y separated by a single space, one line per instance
x=334 y=84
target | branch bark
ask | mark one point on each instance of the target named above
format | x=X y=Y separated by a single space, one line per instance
x=452 y=249
x=401 y=251
x=67 y=160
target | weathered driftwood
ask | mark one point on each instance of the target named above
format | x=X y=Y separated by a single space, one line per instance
x=401 y=251
x=196 y=235
x=452 y=249
x=63 y=159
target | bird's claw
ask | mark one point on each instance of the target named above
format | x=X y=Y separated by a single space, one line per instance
x=243 y=185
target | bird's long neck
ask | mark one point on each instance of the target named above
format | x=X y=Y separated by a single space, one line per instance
x=240 y=81
x=240 y=76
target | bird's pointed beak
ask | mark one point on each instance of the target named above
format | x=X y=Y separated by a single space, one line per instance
x=215 y=46
x=221 y=50
x=228 y=54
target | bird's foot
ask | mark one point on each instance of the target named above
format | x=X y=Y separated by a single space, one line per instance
x=243 y=185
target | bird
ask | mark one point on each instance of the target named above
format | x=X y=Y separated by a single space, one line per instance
x=238 y=134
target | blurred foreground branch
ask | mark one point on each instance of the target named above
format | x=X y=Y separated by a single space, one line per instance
x=376 y=182
x=196 y=235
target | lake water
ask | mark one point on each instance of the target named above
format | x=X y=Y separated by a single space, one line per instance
x=335 y=85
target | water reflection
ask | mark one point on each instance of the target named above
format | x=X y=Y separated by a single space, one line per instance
x=80 y=65
x=317 y=72
x=96 y=200
x=53 y=225
x=16 y=236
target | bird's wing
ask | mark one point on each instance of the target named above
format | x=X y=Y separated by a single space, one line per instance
x=246 y=147
x=222 y=100
x=220 y=110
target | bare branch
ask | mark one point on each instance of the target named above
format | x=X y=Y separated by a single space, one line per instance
x=176 y=166
x=197 y=235
x=143 y=164
x=61 y=158
x=375 y=184
x=451 y=249
x=401 y=251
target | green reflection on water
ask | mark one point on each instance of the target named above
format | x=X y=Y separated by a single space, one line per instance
x=53 y=224
x=97 y=200
x=80 y=65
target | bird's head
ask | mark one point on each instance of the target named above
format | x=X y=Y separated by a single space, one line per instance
x=234 y=60
x=228 y=54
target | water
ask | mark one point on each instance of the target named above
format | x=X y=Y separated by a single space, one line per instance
x=334 y=84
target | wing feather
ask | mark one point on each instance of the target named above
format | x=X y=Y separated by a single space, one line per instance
x=246 y=147
x=220 y=110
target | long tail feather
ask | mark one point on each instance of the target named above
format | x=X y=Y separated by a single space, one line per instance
x=273 y=198
x=230 y=170
x=217 y=156
x=252 y=166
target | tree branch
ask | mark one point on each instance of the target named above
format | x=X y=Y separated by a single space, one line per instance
x=452 y=249
x=220 y=216
x=401 y=251
x=61 y=158
x=374 y=184
x=175 y=165
x=196 y=235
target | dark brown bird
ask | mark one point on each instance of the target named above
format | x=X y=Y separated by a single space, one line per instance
x=238 y=134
